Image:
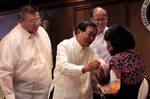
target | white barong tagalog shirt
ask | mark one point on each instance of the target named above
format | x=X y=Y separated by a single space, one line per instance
x=70 y=82
x=25 y=64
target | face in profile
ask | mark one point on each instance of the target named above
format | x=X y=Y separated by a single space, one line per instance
x=88 y=36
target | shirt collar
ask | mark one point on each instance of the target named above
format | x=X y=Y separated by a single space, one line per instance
x=26 y=33
x=102 y=33
x=77 y=44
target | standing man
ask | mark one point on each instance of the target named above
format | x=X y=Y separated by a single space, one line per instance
x=100 y=17
x=26 y=58
x=74 y=62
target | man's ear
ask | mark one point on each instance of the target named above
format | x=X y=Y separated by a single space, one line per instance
x=78 y=31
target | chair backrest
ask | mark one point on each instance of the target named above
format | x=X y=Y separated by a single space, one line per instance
x=144 y=89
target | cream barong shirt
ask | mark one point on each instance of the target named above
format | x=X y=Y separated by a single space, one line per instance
x=25 y=64
x=70 y=82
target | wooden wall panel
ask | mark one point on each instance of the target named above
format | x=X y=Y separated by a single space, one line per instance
x=141 y=34
x=118 y=14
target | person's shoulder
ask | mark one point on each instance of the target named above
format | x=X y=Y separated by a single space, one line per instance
x=41 y=29
x=119 y=56
x=12 y=35
x=66 y=42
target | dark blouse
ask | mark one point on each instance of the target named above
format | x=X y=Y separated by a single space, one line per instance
x=129 y=65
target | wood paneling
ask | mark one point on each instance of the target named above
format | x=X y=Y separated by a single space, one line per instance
x=114 y=11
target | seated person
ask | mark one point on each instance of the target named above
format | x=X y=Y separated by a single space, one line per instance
x=126 y=63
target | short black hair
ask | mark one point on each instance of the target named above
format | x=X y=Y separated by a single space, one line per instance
x=84 y=24
x=120 y=39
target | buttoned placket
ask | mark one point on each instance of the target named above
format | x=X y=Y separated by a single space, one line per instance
x=36 y=50
x=81 y=56
x=32 y=37
x=82 y=52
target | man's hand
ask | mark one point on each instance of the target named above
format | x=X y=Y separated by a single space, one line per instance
x=92 y=65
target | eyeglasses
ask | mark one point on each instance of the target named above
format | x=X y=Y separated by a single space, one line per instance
x=91 y=34
x=32 y=21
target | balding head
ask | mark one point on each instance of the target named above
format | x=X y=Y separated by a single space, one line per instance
x=99 y=10
x=99 y=17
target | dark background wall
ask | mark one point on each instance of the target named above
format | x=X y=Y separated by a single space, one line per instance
x=64 y=15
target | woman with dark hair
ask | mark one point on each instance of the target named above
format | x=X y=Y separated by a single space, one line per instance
x=127 y=64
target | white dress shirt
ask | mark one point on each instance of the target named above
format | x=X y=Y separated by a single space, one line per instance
x=25 y=64
x=99 y=45
x=70 y=82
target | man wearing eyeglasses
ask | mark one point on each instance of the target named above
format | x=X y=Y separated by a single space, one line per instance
x=75 y=61
x=26 y=58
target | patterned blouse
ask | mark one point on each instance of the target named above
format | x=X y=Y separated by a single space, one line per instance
x=129 y=65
